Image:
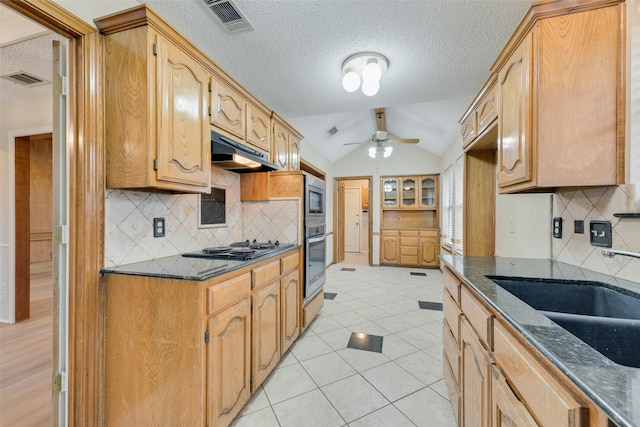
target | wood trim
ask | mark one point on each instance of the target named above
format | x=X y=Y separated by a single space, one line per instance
x=305 y=166
x=85 y=142
x=22 y=231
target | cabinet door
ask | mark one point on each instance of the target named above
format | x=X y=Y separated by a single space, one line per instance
x=229 y=363
x=183 y=150
x=428 y=191
x=290 y=301
x=389 y=248
x=228 y=109
x=294 y=153
x=258 y=128
x=514 y=128
x=409 y=192
x=506 y=409
x=476 y=371
x=390 y=193
x=280 y=154
x=428 y=251
x=266 y=332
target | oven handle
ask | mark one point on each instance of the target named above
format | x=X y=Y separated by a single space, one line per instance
x=316 y=239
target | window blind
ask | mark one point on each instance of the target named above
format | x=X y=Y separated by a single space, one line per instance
x=447 y=207
x=458 y=196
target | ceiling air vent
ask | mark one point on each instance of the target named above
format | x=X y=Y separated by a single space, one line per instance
x=229 y=14
x=25 y=79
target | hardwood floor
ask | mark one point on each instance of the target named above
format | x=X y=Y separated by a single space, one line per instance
x=26 y=358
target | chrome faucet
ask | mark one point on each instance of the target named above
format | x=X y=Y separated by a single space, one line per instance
x=610 y=253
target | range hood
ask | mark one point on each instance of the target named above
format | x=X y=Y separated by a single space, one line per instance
x=231 y=155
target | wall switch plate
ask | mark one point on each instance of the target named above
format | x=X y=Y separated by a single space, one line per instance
x=158 y=227
x=578 y=226
x=557 y=227
x=600 y=233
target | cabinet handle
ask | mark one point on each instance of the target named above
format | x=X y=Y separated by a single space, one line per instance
x=262 y=138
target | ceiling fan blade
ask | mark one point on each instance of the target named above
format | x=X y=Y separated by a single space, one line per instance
x=405 y=141
x=355 y=143
x=381 y=120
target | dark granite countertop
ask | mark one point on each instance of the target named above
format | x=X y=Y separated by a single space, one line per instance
x=179 y=267
x=614 y=388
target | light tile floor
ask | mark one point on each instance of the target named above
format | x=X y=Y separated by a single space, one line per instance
x=320 y=382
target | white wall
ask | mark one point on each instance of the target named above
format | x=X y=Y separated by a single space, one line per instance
x=17 y=118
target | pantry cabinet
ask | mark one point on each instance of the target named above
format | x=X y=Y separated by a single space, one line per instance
x=156 y=106
x=562 y=115
x=191 y=352
x=499 y=381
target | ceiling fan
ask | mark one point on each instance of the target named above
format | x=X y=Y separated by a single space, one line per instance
x=380 y=141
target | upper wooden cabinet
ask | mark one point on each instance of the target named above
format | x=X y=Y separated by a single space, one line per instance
x=561 y=98
x=409 y=192
x=156 y=105
x=285 y=145
x=481 y=114
x=258 y=127
x=228 y=109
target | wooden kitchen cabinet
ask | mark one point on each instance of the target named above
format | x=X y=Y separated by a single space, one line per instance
x=481 y=114
x=389 y=188
x=156 y=106
x=285 y=145
x=389 y=247
x=258 y=126
x=501 y=382
x=409 y=192
x=561 y=115
x=229 y=363
x=265 y=320
x=228 y=109
x=429 y=249
x=183 y=352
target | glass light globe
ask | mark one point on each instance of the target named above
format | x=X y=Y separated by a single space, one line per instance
x=370 y=87
x=351 y=81
x=372 y=71
x=372 y=152
x=387 y=151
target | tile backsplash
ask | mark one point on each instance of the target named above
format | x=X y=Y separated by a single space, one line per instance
x=599 y=204
x=273 y=220
x=129 y=215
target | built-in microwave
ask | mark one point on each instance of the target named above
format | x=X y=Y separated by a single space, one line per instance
x=314 y=201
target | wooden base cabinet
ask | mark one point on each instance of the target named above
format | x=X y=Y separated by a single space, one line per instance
x=501 y=381
x=265 y=319
x=418 y=248
x=290 y=309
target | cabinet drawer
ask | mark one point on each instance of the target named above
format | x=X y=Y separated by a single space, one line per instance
x=552 y=403
x=451 y=314
x=266 y=274
x=409 y=259
x=227 y=293
x=408 y=241
x=479 y=317
x=451 y=350
x=409 y=250
x=409 y=233
x=289 y=263
x=451 y=284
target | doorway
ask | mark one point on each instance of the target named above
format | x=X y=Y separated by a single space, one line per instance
x=353 y=220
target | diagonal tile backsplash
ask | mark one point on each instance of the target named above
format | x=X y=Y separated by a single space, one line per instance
x=599 y=204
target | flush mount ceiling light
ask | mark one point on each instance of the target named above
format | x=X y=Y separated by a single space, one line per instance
x=365 y=67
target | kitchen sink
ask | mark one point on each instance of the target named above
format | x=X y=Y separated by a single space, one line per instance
x=606 y=319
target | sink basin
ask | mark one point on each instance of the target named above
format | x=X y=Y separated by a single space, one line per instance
x=572 y=296
x=606 y=319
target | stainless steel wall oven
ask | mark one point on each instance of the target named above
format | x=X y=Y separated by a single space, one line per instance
x=314 y=236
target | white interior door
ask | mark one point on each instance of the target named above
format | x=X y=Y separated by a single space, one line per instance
x=352 y=213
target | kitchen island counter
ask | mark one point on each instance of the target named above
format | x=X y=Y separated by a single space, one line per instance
x=179 y=267
x=614 y=388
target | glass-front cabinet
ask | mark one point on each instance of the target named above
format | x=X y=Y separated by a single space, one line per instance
x=428 y=192
x=390 y=193
x=409 y=192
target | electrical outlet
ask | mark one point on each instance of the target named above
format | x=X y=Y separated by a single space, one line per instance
x=557 y=227
x=158 y=227
x=600 y=233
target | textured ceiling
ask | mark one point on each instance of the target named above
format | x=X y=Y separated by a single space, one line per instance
x=439 y=55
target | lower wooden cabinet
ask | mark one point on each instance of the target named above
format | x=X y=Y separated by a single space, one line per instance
x=229 y=363
x=185 y=352
x=493 y=378
x=265 y=319
x=419 y=248
x=389 y=247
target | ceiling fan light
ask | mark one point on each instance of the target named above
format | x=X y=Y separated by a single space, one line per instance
x=372 y=152
x=372 y=70
x=370 y=87
x=387 y=151
x=350 y=80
